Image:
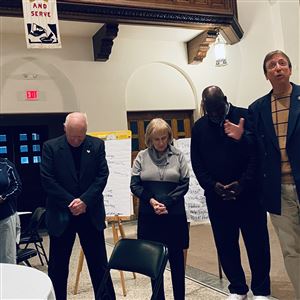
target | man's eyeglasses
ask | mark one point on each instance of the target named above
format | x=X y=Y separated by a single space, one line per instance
x=272 y=64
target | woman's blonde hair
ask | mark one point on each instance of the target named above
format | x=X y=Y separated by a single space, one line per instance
x=156 y=126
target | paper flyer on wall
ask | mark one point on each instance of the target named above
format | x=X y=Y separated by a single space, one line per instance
x=41 y=24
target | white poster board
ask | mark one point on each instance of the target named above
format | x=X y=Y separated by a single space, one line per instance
x=195 y=203
x=117 y=195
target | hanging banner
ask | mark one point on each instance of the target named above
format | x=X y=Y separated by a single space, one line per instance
x=41 y=24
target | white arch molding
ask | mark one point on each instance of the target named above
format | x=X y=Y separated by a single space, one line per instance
x=57 y=92
x=159 y=86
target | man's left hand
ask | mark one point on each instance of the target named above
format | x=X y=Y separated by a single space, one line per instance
x=234 y=188
x=2 y=199
x=234 y=131
x=77 y=207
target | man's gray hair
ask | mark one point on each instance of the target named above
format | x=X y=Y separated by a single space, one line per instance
x=76 y=114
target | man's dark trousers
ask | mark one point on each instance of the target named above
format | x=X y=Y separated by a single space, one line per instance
x=93 y=245
x=230 y=217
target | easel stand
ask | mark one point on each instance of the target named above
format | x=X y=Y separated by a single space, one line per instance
x=118 y=232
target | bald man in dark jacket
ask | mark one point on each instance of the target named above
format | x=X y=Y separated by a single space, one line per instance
x=226 y=169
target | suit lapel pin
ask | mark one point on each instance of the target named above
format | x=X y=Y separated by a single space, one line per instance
x=88 y=151
x=298 y=97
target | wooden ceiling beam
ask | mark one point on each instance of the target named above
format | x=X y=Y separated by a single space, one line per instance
x=200 y=15
x=197 y=47
x=103 y=41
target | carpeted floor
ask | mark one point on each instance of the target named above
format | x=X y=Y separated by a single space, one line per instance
x=136 y=289
x=202 y=255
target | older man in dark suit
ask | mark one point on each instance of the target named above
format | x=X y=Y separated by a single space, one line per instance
x=74 y=173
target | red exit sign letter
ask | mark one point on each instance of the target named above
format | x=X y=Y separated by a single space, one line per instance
x=32 y=95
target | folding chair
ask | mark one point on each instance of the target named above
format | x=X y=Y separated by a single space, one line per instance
x=23 y=255
x=140 y=256
x=31 y=234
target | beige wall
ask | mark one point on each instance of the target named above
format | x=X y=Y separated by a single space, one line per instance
x=144 y=74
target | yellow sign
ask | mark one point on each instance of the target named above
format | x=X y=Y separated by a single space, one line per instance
x=112 y=135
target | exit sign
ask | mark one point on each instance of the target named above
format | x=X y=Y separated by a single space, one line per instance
x=32 y=95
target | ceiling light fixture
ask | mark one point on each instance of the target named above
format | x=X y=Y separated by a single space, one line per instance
x=220 y=52
x=30 y=76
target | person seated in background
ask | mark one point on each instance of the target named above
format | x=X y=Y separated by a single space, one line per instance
x=225 y=169
x=10 y=189
x=160 y=179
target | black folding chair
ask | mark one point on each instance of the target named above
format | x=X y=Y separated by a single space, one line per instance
x=23 y=255
x=139 y=256
x=31 y=234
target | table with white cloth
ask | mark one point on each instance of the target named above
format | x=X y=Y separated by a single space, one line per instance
x=21 y=282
